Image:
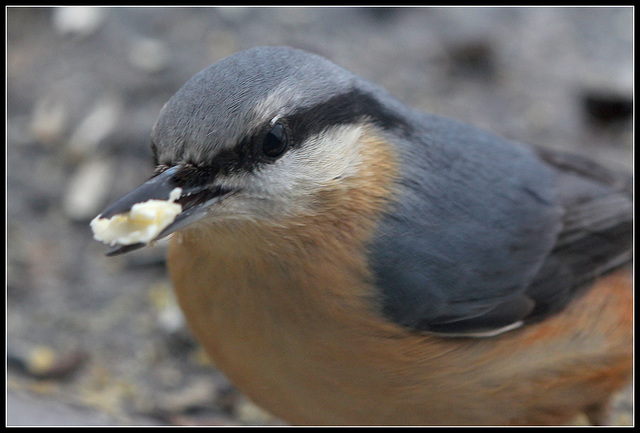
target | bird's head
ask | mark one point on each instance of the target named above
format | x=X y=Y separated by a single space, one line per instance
x=261 y=135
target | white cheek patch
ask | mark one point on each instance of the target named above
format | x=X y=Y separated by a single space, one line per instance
x=320 y=161
x=290 y=185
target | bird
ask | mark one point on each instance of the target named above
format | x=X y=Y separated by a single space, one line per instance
x=345 y=259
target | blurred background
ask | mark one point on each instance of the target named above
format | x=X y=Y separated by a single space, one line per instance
x=98 y=340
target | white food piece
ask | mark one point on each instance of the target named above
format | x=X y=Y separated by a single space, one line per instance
x=143 y=223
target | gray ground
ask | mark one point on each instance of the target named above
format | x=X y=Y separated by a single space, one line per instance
x=96 y=340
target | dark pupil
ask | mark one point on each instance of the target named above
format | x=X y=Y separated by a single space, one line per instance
x=275 y=142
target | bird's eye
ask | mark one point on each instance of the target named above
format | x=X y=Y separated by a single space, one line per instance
x=275 y=142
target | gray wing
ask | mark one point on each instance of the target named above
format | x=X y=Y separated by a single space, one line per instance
x=487 y=233
x=597 y=230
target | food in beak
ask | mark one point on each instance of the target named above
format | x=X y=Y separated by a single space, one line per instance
x=142 y=224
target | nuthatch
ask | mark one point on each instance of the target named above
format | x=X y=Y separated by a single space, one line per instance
x=345 y=259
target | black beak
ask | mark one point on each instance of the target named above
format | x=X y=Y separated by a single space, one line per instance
x=194 y=199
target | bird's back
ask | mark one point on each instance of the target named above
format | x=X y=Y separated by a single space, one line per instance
x=486 y=233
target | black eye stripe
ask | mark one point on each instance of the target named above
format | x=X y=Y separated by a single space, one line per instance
x=291 y=131
x=343 y=109
x=266 y=144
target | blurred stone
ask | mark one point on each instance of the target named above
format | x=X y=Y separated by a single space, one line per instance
x=43 y=362
x=48 y=121
x=196 y=394
x=251 y=414
x=81 y=21
x=169 y=314
x=94 y=128
x=88 y=189
x=473 y=58
x=607 y=106
x=149 y=55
